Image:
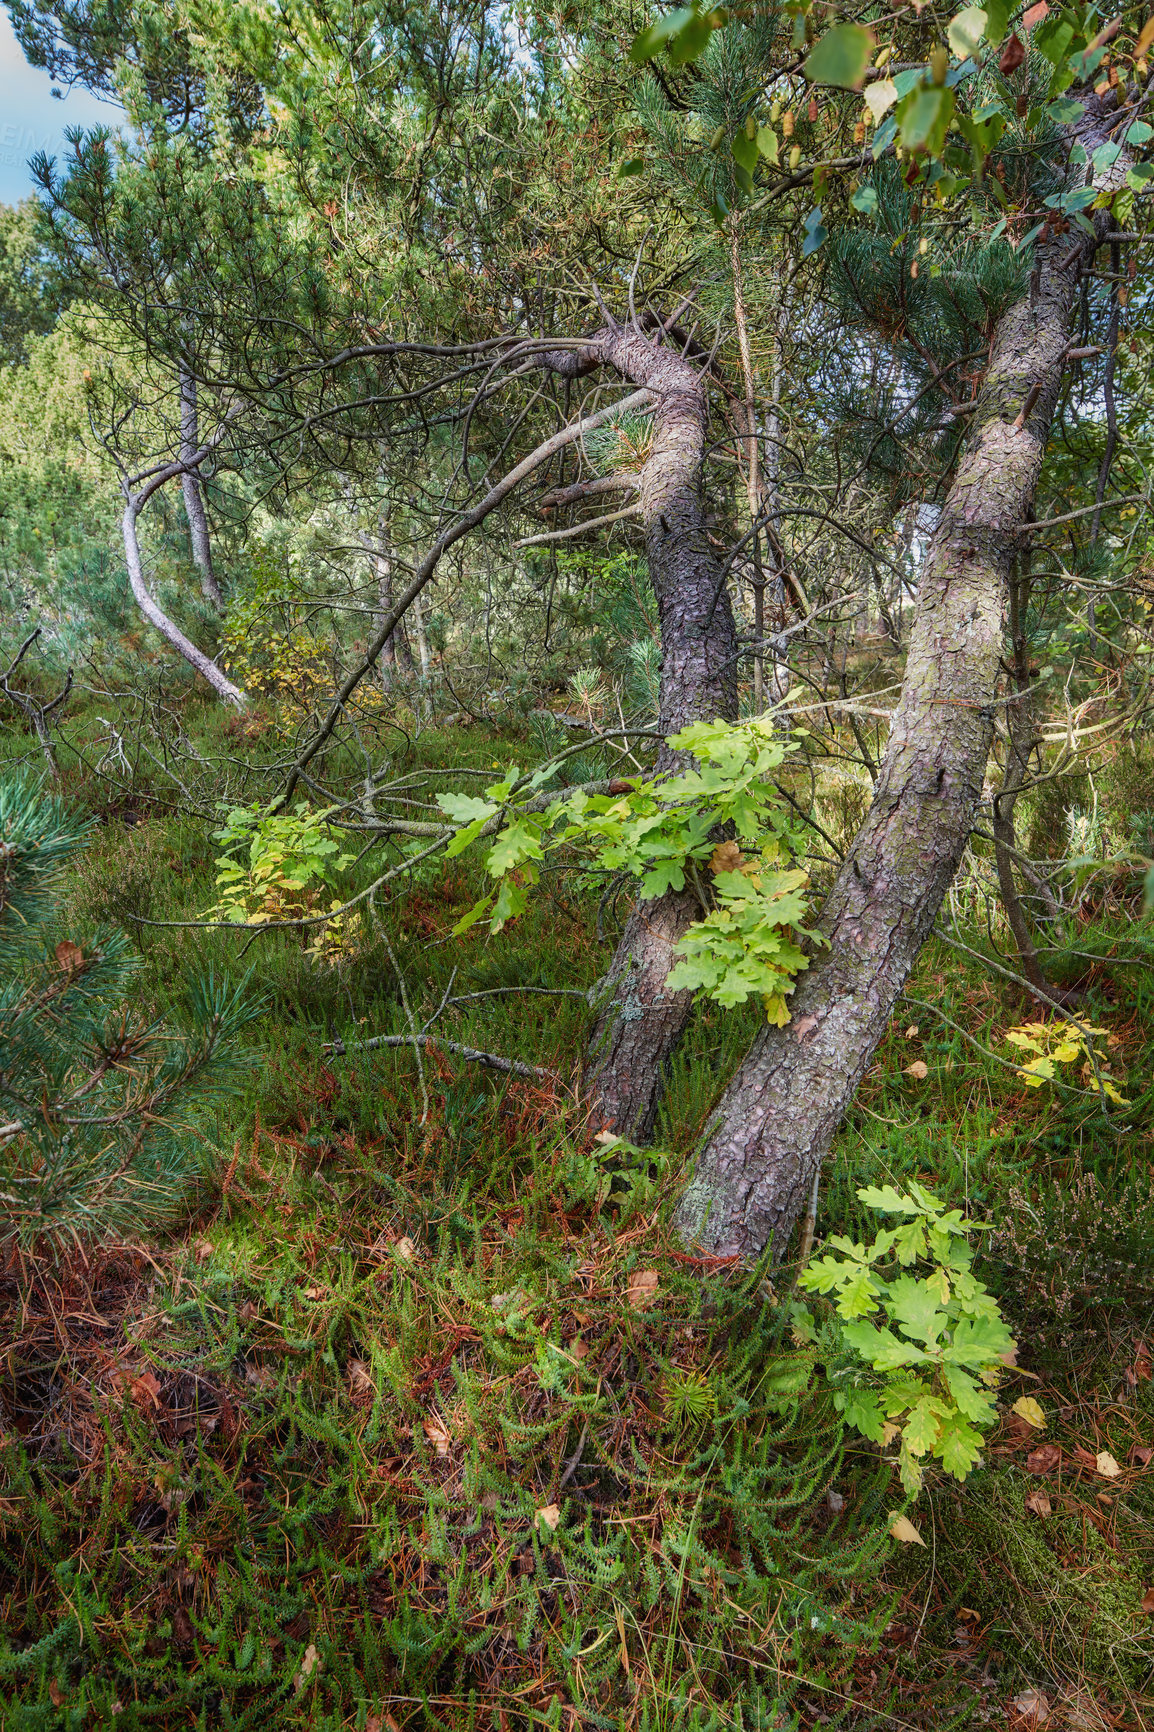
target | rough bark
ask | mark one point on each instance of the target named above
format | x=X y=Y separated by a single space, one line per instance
x=780 y=1112
x=640 y=1023
x=190 y=487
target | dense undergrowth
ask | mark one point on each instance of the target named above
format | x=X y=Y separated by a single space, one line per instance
x=421 y=1415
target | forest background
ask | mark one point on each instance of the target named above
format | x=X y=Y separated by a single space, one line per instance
x=576 y=845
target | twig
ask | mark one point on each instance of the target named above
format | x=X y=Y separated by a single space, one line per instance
x=1083 y=511
x=574 y=1461
x=579 y=528
x=494 y=1060
x=493 y=991
x=409 y=1018
x=1032 y=396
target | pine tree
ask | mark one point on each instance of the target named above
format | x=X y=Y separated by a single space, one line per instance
x=101 y=1108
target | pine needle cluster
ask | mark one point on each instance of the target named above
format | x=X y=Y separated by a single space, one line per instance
x=101 y=1107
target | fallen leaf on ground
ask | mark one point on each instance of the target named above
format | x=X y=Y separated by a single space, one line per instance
x=911 y=1031
x=1106 y=1465
x=642 y=1290
x=1033 y=1706
x=1148 y=1600
x=835 y=1501
x=549 y=1515
x=315 y=1292
x=1140 y=1454
x=308 y=1667
x=360 y=1377
x=56 y=1693
x=145 y=1390
x=69 y=955
x=1029 y=1410
x=406 y=1250
x=437 y=1435
x=1044 y=1459
x=577 y=1349
x=901 y=1528
x=203 y=1249
x=1038 y=1503
x=919 y=1068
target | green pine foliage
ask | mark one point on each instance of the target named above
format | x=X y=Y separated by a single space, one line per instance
x=934 y=310
x=101 y=1107
x=964 y=282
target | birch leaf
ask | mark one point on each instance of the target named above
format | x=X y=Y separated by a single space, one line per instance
x=880 y=96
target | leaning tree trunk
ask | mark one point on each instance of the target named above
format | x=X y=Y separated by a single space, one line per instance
x=155 y=614
x=640 y=1022
x=780 y=1112
x=190 y=487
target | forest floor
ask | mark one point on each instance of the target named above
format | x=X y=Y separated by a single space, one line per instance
x=423 y=1417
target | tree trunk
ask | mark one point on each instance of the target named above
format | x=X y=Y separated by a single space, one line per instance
x=1021 y=741
x=156 y=616
x=780 y=1112
x=395 y=651
x=190 y=487
x=640 y=1023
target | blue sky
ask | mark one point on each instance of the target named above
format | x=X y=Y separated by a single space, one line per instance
x=31 y=119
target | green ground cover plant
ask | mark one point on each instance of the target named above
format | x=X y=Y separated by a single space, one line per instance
x=426 y=1413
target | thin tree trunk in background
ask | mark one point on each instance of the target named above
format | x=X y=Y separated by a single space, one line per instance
x=640 y=1023
x=752 y=461
x=395 y=651
x=1111 y=429
x=782 y=677
x=422 y=639
x=1021 y=741
x=781 y=1110
x=193 y=497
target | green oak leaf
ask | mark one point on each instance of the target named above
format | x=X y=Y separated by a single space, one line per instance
x=861 y=1410
x=959 y=1446
x=887 y=1201
x=979 y=1342
x=464 y=808
x=512 y=846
